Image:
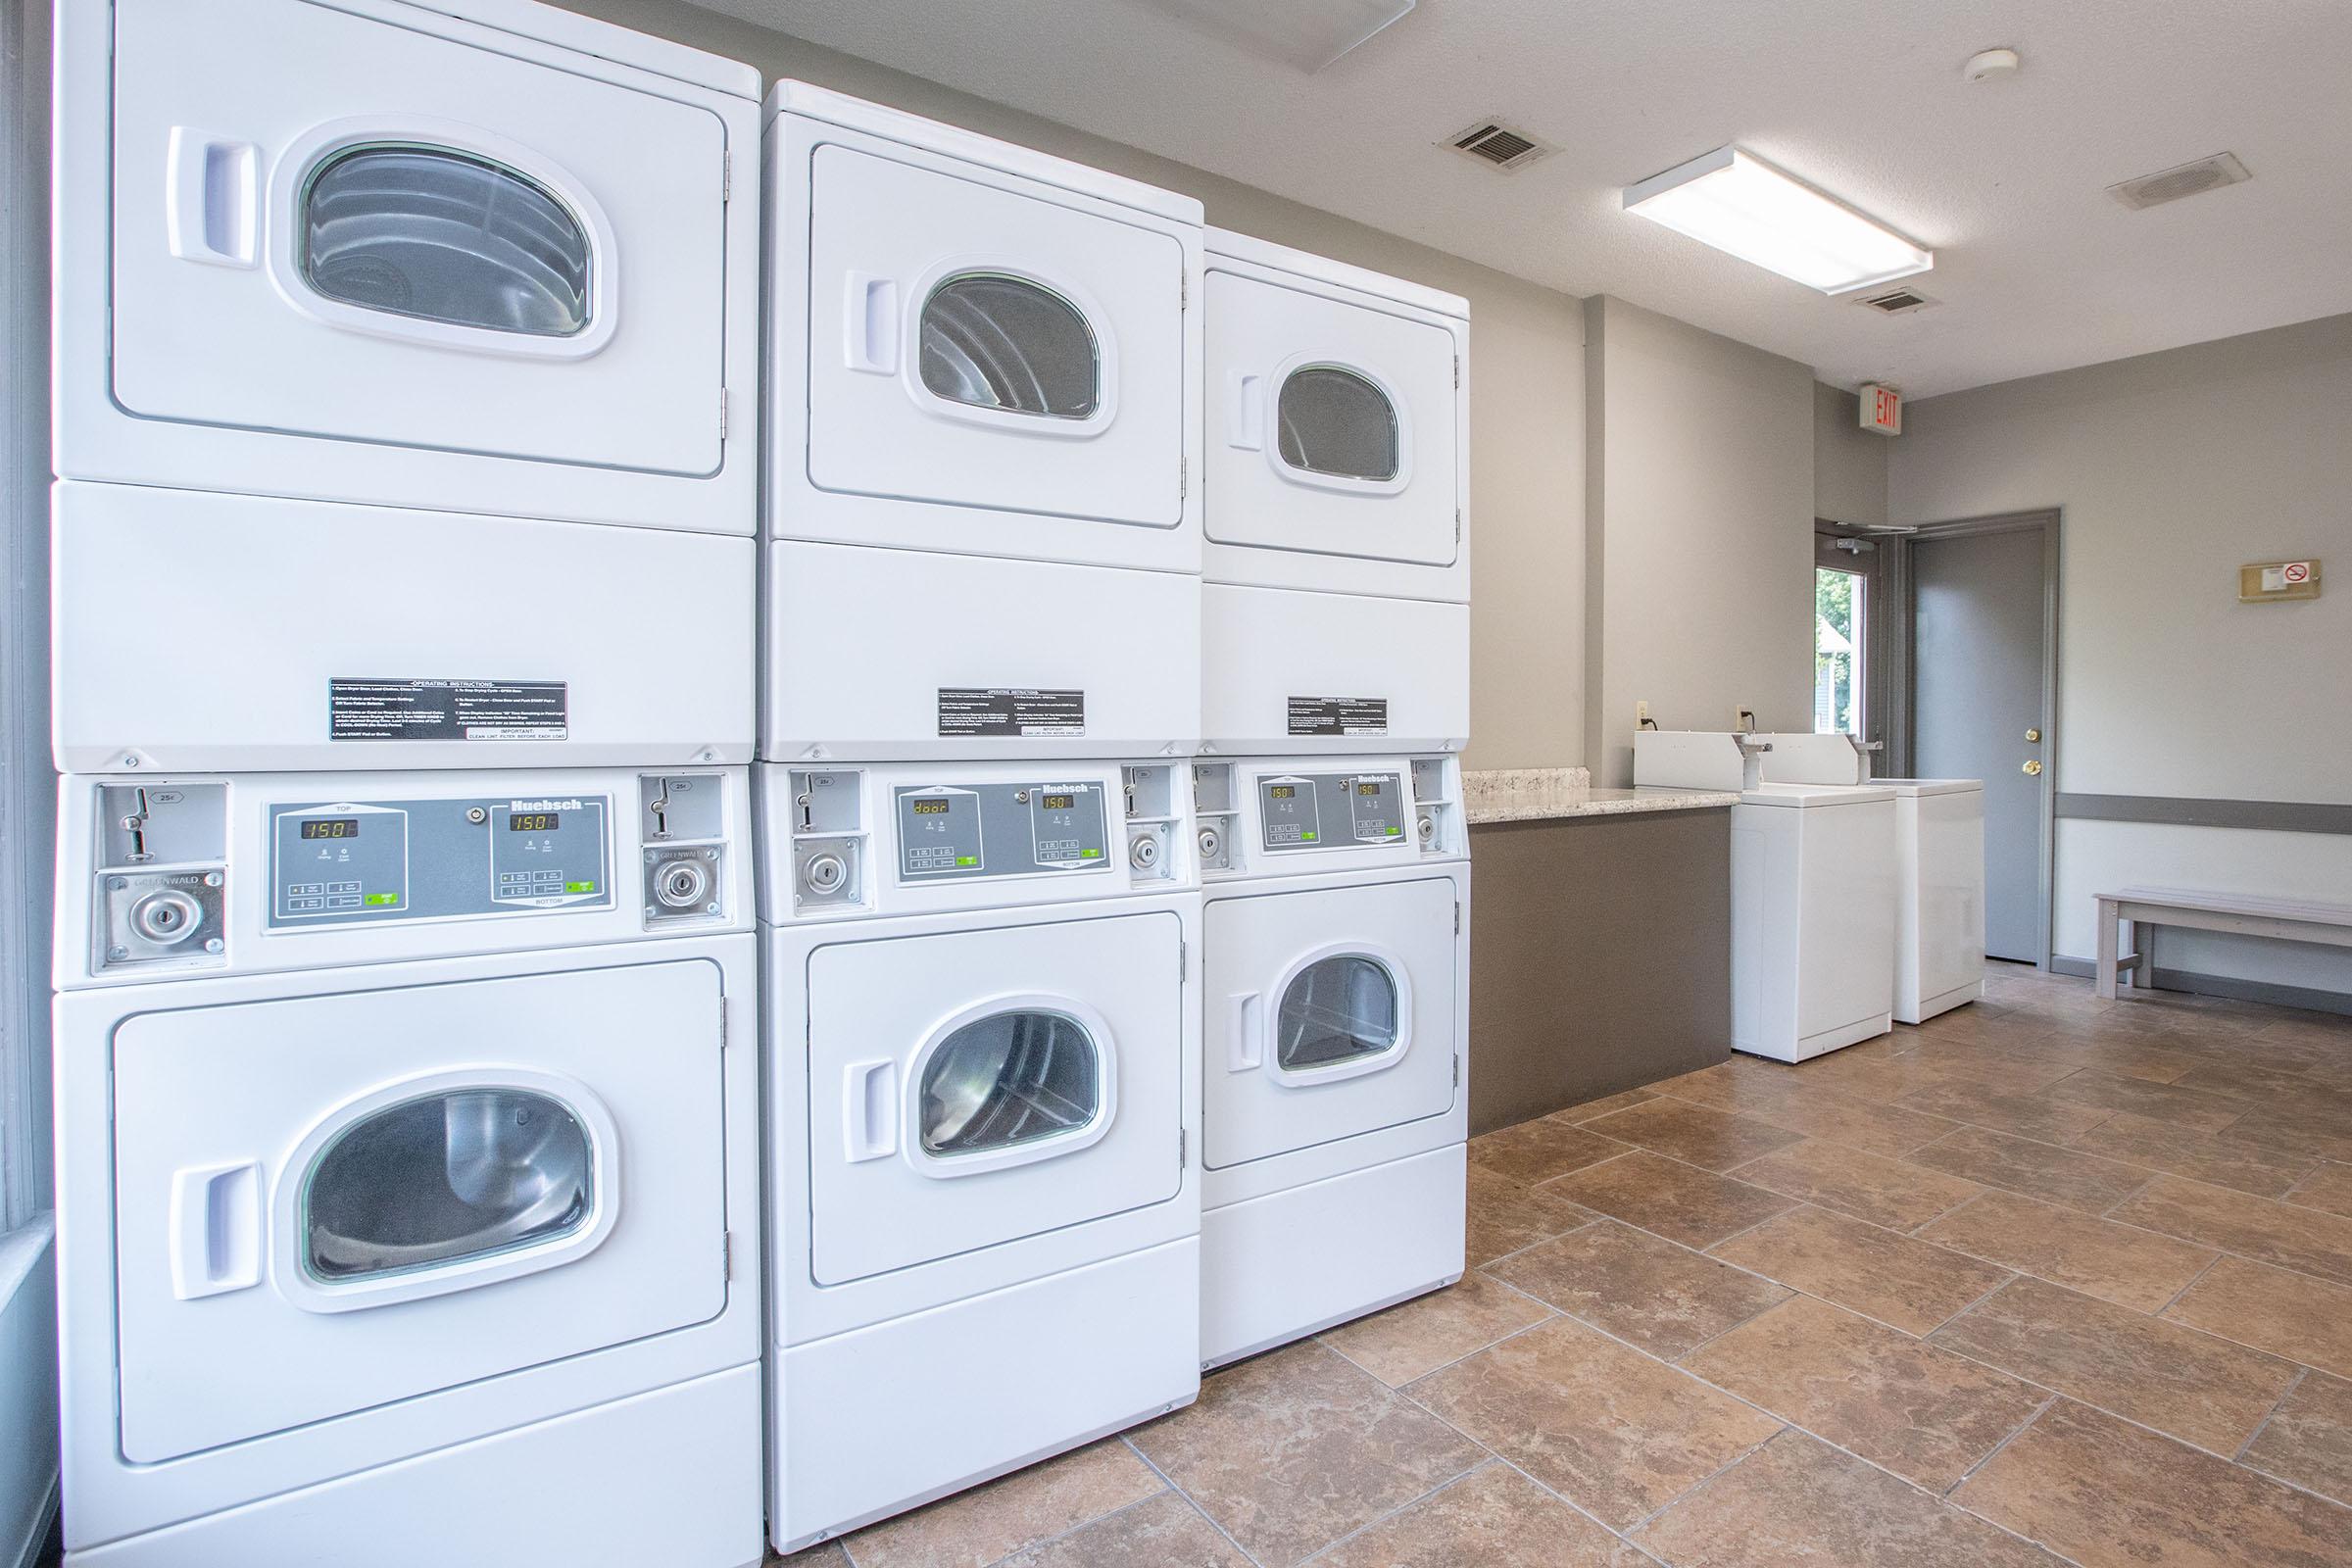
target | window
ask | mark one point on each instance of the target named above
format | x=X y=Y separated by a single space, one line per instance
x=442 y=1178
x=1337 y=1010
x=993 y=341
x=1335 y=421
x=441 y=235
x=1009 y=1078
x=1839 y=651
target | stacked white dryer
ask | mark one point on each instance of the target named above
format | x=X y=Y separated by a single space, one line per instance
x=979 y=875
x=1335 y=694
x=404 y=637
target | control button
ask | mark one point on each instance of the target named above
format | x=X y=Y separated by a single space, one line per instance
x=310 y=887
x=348 y=900
x=305 y=903
x=342 y=887
x=508 y=879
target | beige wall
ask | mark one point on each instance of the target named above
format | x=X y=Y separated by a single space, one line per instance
x=1699 y=532
x=2169 y=471
x=1850 y=462
x=1527 y=410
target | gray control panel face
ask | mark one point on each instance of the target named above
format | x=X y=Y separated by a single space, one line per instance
x=371 y=861
x=1331 y=811
x=950 y=831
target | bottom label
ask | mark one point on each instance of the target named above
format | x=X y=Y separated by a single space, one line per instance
x=447 y=711
x=1016 y=711
x=1339 y=716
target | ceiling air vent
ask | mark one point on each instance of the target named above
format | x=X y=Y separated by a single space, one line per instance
x=2188 y=179
x=1491 y=141
x=1898 y=302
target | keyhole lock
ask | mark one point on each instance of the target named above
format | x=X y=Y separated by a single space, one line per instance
x=2034 y=735
x=2033 y=768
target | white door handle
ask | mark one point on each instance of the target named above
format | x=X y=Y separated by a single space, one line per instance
x=215 y=1229
x=869 y=1121
x=1242 y=1049
x=1246 y=419
x=870 y=324
x=209 y=211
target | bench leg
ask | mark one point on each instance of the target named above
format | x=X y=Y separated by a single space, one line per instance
x=2107 y=952
x=2143 y=950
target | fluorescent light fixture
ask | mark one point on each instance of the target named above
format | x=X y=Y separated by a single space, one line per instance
x=1739 y=203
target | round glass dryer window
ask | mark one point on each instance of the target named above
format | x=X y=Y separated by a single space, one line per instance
x=1335 y=421
x=442 y=235
x=1009 y=1078
x=995 y=341
x=1335 y=1009
x=444 y=1178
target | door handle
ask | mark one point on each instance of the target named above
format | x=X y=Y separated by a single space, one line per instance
x=1242 y=1049
x=208 y=197
x=870 y=1122
x=215 y=1229
x=2033 y=766
x=870 y=324
x=1245 y=426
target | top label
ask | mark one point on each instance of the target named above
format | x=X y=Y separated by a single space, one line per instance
x=1339 y=716
x=447 y=711
x=1019 y=712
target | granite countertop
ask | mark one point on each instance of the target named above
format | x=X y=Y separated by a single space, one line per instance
x=1537 y=794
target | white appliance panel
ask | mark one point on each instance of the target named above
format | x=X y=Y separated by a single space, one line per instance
x=254 y=1296
x=1075 y=310
x=1266 y=650
x=1328 y=1014
x=1940 y=915
x=200 y=630
x=1033 y=1127
x=604 y=266
x=1298 y=465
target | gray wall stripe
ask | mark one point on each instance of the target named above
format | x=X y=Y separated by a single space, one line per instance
x=2221 y=985
x=2180 y=811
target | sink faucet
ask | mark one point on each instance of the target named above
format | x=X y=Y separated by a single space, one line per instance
x=1751 y=754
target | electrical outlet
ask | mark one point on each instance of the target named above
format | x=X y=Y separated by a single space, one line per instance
x=1642 y=712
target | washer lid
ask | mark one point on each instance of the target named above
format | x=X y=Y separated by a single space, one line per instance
x=1805 y=796
x=1915 y=787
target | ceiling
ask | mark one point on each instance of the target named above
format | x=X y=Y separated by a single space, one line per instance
x=2037 y=268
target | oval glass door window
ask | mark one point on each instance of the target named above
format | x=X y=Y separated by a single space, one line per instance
x=1337 y=1010
x=445 y=236
x=1009 y=1078
x=444 y=1178
x=993 y=341
x=1337 y=422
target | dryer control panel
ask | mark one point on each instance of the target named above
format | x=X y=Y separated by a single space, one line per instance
x=993 y=829
x=338 y=861
x=1330 y=810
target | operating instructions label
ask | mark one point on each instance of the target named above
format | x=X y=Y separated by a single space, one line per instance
x=447 y=711
x=1019 y=712
x=1339 y=716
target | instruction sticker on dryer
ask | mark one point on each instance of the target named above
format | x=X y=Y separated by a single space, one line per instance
x=1020 y=712
x=1339 y=716
x=447 y=711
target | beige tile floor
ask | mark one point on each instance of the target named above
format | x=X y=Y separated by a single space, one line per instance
x=2046 y=1280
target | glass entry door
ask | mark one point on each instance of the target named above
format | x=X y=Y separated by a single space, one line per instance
x=330 y=1202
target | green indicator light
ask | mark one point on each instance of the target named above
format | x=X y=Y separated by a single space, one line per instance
x=579 y=887
x=1089 y=855
x=1306 y=838
x=1392 y=832
x=967 y=859
x=377 y=901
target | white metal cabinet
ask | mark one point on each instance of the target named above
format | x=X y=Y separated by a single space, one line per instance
x=1328 y=1014
x=243 y=1306
x=1068 y=1035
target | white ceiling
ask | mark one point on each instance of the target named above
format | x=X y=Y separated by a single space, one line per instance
x=2037 y=267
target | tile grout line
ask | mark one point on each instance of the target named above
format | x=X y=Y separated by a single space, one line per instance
x=2270 y=1415
x=1191 y=1502
x=1374 y=1523
x=1969 y=1473
x=2213 y=1264
x=2013 y=1274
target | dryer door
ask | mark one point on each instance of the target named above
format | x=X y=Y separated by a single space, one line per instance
x=979 y=346
x=970 y=1088
x=1331 y=426
x=330 y=1202
x=1328 y=1013
x=334 y=225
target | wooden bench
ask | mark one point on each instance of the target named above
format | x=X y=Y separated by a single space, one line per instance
x=2145 y=908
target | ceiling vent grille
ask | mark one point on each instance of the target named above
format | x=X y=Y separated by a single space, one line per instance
x=2188 y=179
x=1491 y=141
x=1898 y=302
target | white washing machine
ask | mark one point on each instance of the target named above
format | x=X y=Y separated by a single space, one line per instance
x=441 y=286
x=407 y=1169
x=1335 y=604
x=1336 y=1014
x=984 y=422
x=1938 y=865
x=982 y=1035
x=1813 y=895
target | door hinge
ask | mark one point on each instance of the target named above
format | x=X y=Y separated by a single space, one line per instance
x=1457 y=372
x=1183 y=293
x=1458 y=917
x=726 y=192
x=722 y=421
x=1184 y=1146
x=722 y=1023
x=1184 y=477
x=1457 y=1069
x=1457 y=526
x=726 y=1254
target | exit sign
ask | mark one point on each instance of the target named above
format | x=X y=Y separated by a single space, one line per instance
x=1881 y=409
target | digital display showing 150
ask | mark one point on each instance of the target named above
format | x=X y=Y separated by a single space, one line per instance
x=331 y=827
x=1056 y=803
x=534 y=821
x=1282 y=791
x=1369 y=786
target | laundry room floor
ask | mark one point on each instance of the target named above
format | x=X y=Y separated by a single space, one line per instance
x=2046 y=1280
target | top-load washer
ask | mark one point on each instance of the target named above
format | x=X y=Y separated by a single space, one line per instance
x=362 y=311
x=1336 y=559
x=983 y=498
